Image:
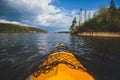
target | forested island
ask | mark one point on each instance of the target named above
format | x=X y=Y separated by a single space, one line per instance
x=106 y=21
x=14 y=28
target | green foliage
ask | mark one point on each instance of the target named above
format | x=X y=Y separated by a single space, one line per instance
x=108 y=20
x=13 y=28
x=112 y=6
x=73 y=26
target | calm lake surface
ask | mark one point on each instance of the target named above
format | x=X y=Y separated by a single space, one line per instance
x=20 y=54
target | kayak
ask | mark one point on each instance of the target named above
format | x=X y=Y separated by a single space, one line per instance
x=61 y=65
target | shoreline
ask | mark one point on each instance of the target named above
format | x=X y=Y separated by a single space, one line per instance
x=100 y=34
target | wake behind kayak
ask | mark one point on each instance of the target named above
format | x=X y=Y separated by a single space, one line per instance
x=61 y=65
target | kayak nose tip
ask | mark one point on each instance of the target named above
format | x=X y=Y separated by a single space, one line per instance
x=61 y=44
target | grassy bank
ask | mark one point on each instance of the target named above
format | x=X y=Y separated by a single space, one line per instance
x=100 y=34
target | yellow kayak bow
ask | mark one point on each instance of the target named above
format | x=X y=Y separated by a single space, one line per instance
x=61 y=65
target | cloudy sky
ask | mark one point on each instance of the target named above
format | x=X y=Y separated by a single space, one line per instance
x=52 y=15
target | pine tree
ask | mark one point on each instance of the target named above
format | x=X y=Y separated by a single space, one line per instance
x=80 y=16
x=112 y=11
x=73 y=26
x=112 y=6
x=85 y=15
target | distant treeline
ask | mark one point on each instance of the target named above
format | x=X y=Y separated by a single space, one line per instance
x=14 y=28
x=107 y=20
x=63 y=32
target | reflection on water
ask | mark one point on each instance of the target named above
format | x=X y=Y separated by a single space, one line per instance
x=101 y=56
x=20 y=54
x=106 y=48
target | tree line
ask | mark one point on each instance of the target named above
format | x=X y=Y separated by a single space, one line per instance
x=107 y=20
x=13 y=28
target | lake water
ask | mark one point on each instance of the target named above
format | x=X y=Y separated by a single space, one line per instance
x=20 y=54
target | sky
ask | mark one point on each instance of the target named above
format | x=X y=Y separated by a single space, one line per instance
x=51 y=15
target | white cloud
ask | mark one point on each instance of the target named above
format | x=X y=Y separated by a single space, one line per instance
x=12 y=22
x=54 y=20
x=34 y=6
x=45 y=14
x=74 y=12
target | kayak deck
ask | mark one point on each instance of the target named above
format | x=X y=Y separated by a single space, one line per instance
x=61 y=66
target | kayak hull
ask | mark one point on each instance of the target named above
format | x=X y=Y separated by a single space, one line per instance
x=61 y=66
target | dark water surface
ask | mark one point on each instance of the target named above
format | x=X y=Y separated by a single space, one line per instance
x=20 y=54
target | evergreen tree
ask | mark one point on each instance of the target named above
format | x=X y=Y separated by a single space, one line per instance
x=80 y=16
x=89 y=15
x=73 y=26
x=112 y=6
x=85 y=15
x=112 y=11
